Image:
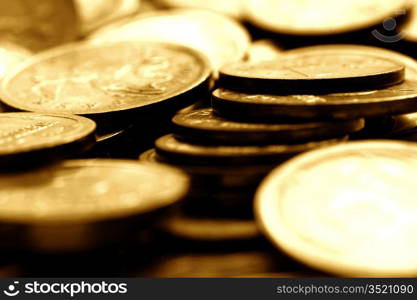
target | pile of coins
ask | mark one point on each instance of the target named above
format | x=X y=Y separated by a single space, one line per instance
x=159 y=128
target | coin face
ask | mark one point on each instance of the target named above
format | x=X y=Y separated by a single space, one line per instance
x=11 y=56
x=399 y=99
x=348 y=210
x=38 y=25
x=187 y=153
x=220 y=38
x=345 y=49
x=87 y=80
x=83 y=191
x=312 y=73
x=202 y=125
x=324 y=17
x=39 y=135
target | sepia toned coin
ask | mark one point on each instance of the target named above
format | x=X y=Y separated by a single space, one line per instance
x=408 y=62
x=262 y=50
x=220 y=38
x=78 y=204
x=38 y=25
x=95 y=13
x=31 y=139
x=232 y=8
x=312 y=73
x=203 y=126
x=399 y=99
x=187 y=153
x=349 y=210
x=11 y=56
x=324 y=17
x=92 y=80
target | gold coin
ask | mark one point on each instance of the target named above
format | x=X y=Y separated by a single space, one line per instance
x=349 y=210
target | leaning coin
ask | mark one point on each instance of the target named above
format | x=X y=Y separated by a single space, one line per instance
x=399 y=99
x=324 y=17
x=203 y=126
x=343 y=49
x=187 y=153
x=312 y=73
x=98 y=80
x=38 y=25
x=220 y=38
x=28 y=140
x=348 y=210
x=81 y=204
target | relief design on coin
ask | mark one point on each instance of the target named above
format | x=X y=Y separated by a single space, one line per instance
x=81 y=79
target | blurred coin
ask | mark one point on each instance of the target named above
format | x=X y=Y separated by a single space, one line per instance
x=93 y=80
x=324 y=17
x=187 y=153
x=233 y=8
x=409 y=63
x=210 y=230
x=409 y=30
x=203 y=126
x=31 y=139
x=11 y=56
x=38 y=25
x=217 y=175
x=96 y=13
x=348 y=210
x=220 y=38
x=397 y=99
x=264 y=50
x=312 y=73
x=80 y=204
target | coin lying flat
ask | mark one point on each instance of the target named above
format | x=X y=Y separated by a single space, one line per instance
x=233 y=8
x=27 y=138
x=203 y=126
x=312 y=73
x=216 y=175
x=84 y=202
x=220 y=38
x=348 y=210
x=324 y=17
x=38 y=25
x=399 y=99
x=181 y=152
x=90 y=80
x=343 y=49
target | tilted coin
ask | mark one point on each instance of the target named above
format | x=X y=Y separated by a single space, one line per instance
x=399 y=99
x=203 y=126
x=343 y=49
x=187 y=153
x=261 y=50
x=312 y=73
x=11 y=56
x=80 y=204
x=324 y=17
x=38 y=25
x=220 y=38
x=348 y=210
x=32 y=139
x=96 y=13
x=409 y=30
x=93 y=80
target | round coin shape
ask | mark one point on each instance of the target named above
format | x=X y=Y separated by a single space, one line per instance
x=348 y=210
x=93 y=79
x=203 y=126
x=75 y=198
x=180 y=152
x=398 y=99
x=38 y=25
x=31 y=139
x=323 y=17
x=220 y=38
x=312 y=73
